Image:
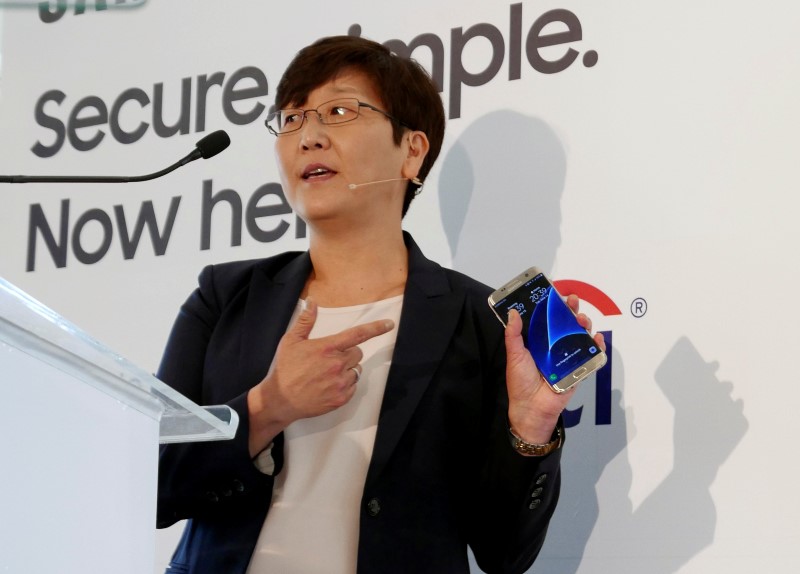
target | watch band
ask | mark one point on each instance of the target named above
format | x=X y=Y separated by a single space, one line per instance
x=530 y=449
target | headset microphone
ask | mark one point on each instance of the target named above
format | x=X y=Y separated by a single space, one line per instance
x=415 y=181
x=355 y=185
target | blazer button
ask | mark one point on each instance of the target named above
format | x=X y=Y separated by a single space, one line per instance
x=212 y=496
x=538 y=492
x=238 y=486
x=541 y=479
x=373 y=507
x=534 y=504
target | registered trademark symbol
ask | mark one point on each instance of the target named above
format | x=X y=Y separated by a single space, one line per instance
x=638 y=307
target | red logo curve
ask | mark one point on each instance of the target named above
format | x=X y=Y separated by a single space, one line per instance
x=588 y=293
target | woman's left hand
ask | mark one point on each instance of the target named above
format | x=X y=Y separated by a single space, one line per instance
x=533 y=407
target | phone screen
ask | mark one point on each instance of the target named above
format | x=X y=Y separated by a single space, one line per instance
x=552 y=334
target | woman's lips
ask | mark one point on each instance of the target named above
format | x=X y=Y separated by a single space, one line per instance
x=317 y=171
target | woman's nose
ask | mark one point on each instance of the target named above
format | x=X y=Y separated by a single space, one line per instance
x=313 y=134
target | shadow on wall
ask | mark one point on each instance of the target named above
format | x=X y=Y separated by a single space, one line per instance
x=500 y=193
x=678 y=519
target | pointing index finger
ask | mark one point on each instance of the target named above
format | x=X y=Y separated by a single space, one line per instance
x=356 y=335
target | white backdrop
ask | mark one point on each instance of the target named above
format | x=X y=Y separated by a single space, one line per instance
x=655 y=162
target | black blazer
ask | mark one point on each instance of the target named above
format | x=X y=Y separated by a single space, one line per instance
x=442 y=475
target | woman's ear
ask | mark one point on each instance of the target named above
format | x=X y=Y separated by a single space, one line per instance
x=417 y=147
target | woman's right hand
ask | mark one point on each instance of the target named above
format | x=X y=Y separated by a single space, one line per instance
x=308 y=377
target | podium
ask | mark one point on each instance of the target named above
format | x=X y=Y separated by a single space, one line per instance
x=79 y=433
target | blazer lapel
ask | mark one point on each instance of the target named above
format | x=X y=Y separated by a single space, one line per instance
x=271 y=301
x=431 y=311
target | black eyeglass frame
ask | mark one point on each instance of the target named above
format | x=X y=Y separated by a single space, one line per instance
x=361 y=104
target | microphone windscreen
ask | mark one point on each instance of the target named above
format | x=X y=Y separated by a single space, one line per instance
x=213 y=143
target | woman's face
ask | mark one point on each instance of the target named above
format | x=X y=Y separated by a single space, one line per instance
x=318 y=162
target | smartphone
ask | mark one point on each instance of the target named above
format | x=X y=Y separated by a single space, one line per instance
x=564 y=351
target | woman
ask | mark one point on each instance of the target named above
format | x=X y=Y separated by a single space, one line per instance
x=375 y=389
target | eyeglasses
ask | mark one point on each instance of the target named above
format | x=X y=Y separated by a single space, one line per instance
x=332 y=113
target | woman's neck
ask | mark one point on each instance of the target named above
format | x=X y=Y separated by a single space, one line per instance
x=356 y=268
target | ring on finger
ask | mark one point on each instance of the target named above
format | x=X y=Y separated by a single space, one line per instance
x=357 y=371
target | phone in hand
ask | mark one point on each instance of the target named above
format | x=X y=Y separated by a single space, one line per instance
x=564 y=352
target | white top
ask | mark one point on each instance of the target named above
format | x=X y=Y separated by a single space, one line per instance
x=313 y=521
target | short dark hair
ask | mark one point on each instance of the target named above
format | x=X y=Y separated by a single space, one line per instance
x=406 y=90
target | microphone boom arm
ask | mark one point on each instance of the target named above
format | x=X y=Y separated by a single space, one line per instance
x=207 y=147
